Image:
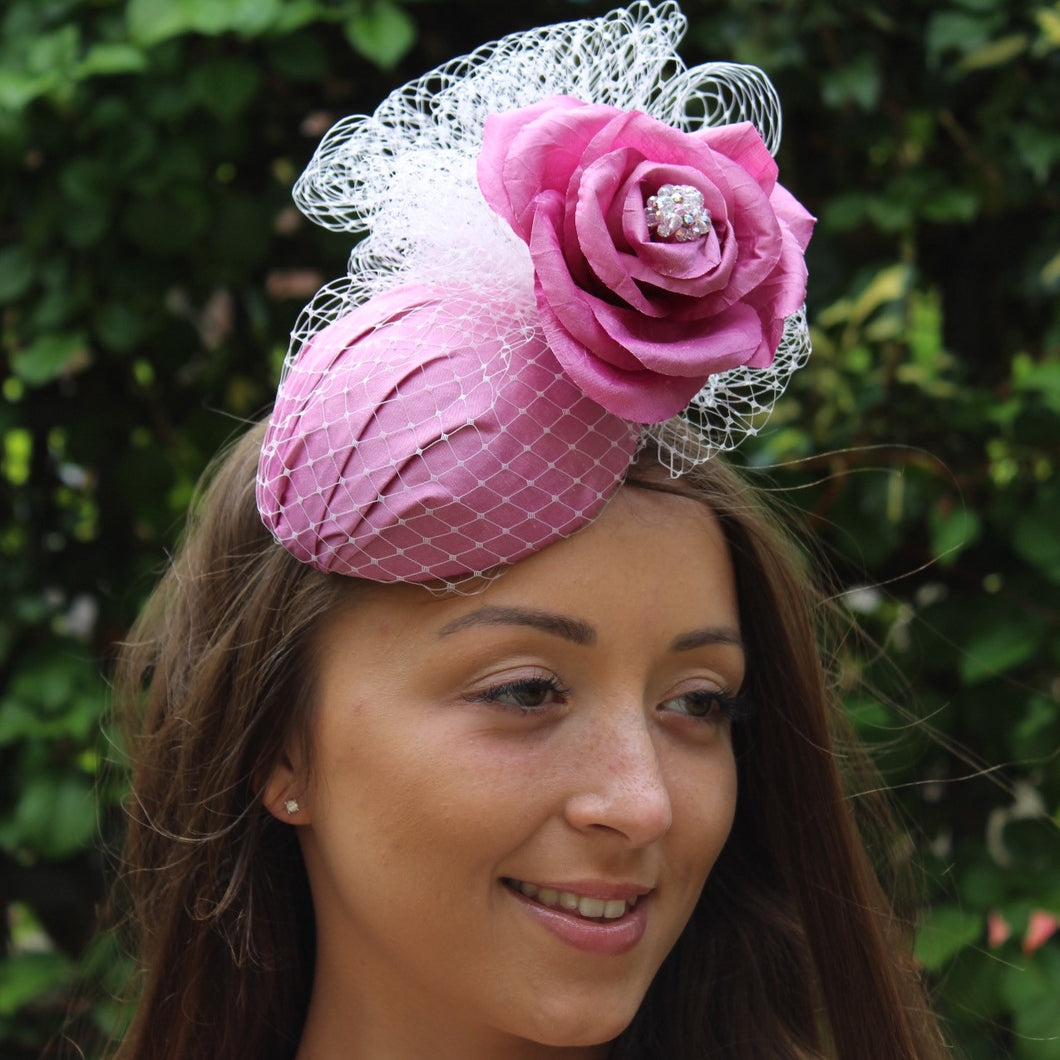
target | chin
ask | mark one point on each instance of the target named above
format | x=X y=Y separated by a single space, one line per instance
x=591 y=1023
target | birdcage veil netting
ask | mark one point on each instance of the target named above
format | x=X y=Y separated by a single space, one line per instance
x=424 y=428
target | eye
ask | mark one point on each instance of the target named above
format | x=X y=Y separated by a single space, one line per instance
x=708 y=704
x=527 y=694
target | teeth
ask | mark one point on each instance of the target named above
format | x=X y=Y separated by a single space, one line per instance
x=591 y=908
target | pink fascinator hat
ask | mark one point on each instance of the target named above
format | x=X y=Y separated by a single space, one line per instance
x=570 y=240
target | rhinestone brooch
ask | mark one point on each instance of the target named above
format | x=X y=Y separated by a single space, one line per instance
x=676 y=212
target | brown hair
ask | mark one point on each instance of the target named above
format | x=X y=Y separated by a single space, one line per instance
x=793 y=949
x=791 y=952
x=214 y=678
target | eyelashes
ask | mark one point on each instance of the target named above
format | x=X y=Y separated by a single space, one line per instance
x=527 y=694
x=533 y=695
x=736 y=706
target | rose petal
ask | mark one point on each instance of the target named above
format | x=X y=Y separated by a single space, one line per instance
x=589 y=231
x=556 y=288
x=755 y=229
x=677 y=347
x=637 y=395
x=525 y=152
x=742 y=144
x=792 y=214
x=782 y=294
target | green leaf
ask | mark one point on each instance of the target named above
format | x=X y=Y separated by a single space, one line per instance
x=151 y=21
x=845 y=210
x=1038 y=732
x=1031 y=988
x=50 y=681
x=982 y=882
x=299 y=56
x=951 y=205
x=225 y=85
x=952 y=532
x=382 y=32
x=1036 y=537
x=870 y=717
x=886 y=286
x=944 y=932
x=248 y=18
x=1038 y=149
x=112 y=58
x=950 y=30
x=167 y=224
x=25 y=976
x=56 y=51
x=1048 y=20
x=856 y=82
x=1050 y=272
x=998 y=649
x=51 y=356
x=17 y=89
x=294 y=15
x=1040 y=377
x=55 y=816
x=119 y=326
x=995 y=53
x=16 y=272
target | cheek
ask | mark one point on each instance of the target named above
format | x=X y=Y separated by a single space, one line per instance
x=424 y=801
x=704 y=795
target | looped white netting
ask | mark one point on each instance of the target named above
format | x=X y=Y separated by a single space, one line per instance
x=406 y=176
x=733 y=405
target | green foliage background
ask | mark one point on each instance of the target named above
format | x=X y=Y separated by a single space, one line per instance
x=151 y=265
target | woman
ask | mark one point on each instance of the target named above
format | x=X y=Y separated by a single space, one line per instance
x=472 y=729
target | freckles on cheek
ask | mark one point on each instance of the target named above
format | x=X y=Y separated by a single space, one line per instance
x=708 y=808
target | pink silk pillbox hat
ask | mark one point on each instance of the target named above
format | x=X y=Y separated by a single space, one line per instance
x=404 y=447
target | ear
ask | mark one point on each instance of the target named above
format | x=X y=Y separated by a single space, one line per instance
x=285 y=792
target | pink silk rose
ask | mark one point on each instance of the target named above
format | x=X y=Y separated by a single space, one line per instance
x=637 y=322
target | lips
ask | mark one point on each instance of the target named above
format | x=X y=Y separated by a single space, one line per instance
x=600 y=919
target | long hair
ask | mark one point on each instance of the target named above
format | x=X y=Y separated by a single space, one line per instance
x=792 y=950
x=215 y=678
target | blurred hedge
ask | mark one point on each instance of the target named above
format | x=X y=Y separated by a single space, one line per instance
x=151 y=264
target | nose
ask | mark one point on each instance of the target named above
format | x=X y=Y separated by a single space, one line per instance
x=619 y=784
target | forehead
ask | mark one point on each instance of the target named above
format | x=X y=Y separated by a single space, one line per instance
x=651 y=560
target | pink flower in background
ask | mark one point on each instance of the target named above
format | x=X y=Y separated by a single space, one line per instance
x=640 y=318
x=998 y=931
x=1040 y=928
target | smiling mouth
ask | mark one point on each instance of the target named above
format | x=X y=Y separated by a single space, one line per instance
x=577 y=904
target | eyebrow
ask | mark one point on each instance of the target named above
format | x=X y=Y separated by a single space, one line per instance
x=571 y=629
x=577 y=631
x=699 y=638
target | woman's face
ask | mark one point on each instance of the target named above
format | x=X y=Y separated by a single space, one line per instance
x=515 y=797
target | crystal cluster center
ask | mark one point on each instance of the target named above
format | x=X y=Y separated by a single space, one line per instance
x=676 y=212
